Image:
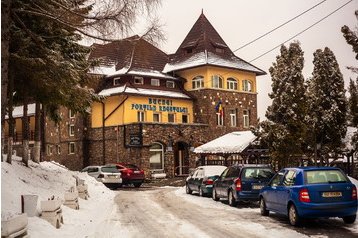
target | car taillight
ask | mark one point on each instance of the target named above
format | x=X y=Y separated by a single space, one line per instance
x=304 y=195
x=209 y=182
x=238 y=184
x=127 y=172
x=354 y=193
x=101 y=176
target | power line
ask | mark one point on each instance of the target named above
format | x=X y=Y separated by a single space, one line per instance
x=285 y=23
x=301 y=32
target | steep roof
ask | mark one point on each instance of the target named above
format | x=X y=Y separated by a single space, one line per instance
x=133 y=53
x=204 y=46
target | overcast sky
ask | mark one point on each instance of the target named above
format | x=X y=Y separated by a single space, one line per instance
x=240 y=21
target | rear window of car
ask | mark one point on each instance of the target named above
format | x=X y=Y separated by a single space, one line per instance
x=111 y=169
x=257 y=173
x=325 y=176
x=131 y=166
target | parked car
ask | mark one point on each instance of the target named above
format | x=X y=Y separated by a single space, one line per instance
x=310 y=192
x=131 y=174
x=241 y=182
x=202 y=178
x=108 y=175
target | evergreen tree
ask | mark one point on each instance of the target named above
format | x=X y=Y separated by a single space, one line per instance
x=285 y=129
x=353 y=103
x=327 y=103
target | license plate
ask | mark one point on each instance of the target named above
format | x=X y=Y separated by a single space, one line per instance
x=136 y=172
x=331 y=194
x=257 y=187
x=112 y=176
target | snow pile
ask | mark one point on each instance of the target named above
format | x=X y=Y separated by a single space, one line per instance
x=49 y=179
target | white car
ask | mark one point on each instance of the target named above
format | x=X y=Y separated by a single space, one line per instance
x=109 y=175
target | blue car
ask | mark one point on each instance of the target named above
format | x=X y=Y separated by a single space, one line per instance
x=310 y=192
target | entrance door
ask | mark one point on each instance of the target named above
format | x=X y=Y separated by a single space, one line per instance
x=181 y=155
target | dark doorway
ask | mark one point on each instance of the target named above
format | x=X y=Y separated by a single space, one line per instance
x=181 y=158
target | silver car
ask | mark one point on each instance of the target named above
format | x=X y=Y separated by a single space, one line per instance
x=107 y=174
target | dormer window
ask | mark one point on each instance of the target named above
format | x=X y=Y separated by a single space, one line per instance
x=138 y=80
x=155 y=82
x=189 y=51
x=116 y=81
x=170 y=84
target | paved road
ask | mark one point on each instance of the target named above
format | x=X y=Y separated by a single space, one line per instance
x=169 y=212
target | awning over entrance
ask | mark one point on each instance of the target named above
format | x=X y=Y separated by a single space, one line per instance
x=231 y=143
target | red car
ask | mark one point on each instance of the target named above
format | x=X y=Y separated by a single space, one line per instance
x=131 y=174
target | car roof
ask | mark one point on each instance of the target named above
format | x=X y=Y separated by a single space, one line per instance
x=251 y=165
x=310 y=168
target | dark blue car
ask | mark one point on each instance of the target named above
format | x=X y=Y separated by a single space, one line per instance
x=310 y=192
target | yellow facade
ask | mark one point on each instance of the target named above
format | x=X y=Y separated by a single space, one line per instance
x=120 y=110
x=18 y=125
x=208 y=71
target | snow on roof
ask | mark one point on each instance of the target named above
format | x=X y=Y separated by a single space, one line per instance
x=19 y=110
x=104 y=69
x=142 y=91
x=231 y=143
x=348 y=138
x=209 y=58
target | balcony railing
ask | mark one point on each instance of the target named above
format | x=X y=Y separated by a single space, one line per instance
x=19 y=136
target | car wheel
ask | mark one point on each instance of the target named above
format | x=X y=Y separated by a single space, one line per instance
x=187 y=189
x=232 y=201
x=293 y=216
x=137 y=185
x=263 y=210
x=350 y=219
x=215 y=195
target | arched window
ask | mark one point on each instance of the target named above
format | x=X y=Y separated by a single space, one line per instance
x=198 y=82
x=156 y=157
x=247 y=85
x=217 y=81
x=231 y=84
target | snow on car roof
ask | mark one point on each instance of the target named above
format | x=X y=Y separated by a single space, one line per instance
x=231 y=143
x=212 y=170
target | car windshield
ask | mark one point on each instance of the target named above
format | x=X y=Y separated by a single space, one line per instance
x=325 y=176
x=257 y=173
x=110 y=169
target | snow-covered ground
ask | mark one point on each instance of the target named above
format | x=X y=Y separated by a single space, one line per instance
x=50 y=179
x=103 y=215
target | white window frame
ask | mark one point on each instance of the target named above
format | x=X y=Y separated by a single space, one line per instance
x=217 y=81
x=233 y=118
x=231 y=84
x=219 y=119
x=187 y=118
x=140 y=116
x=173 y=117
x=71 y=129
x=159 y=116
x=198 y=82
x=161 y=155
x=170 y=84
x=49 y=150
x=116 y=81
x=246 y=118
x=58 y=149
x=155 y=82
x=71 y=148
x=138 y=80
x=247 y=85
x=71 y=114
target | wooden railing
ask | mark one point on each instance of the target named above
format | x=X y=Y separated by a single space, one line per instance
x=19 y=136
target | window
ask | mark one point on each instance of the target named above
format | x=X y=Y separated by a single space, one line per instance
x=140 y=116
x=220 y=119
x=156 y=117
x=71 y=113
x=116 y=81
x=233 y=118
x=49 y=149
x=58 y=149
x=246 y=86
x=277 y=179
x=71 y=148
x=290 y=178
x=217 y=81
x=198 y=82
x=170 y=84
x=156 y=157
x=72 y=130
x=155 y=82
x=171 y=117
x=246 y=118
x=185 y=118
x=231 y=84
x=138 y=80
